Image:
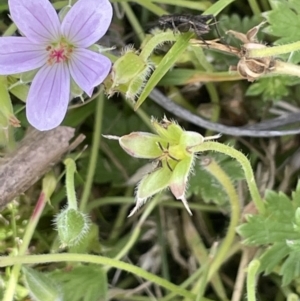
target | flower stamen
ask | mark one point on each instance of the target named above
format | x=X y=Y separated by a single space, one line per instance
x=59 y=53
x=166 y=156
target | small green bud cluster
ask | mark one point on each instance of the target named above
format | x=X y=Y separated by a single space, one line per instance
x=170 y=148
x=129 y=74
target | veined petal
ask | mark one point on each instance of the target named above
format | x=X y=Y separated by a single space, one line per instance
x=86 y=22
x=18 y=54
x=36 y=19
x=88 y=68
x=48 y=97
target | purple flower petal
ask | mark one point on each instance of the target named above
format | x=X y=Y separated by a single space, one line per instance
x=36 y=19
x=86 y=22
x=88 y=68
x=48 y=97
x=18 y=54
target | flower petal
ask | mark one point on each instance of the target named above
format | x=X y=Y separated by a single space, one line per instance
x=36 y=19
x=86 y=22
x=88 y=69
x=48 y=97
x=18 y=54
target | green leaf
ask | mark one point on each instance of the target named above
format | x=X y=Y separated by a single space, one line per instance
x=270 y=259
x=41 y=287
x=277 y=228
x=277 y=225
x=166 y=63
x=284 y=23
x=272 y=88
x=290 y=268
x=204 y=185
x=83 y=283
x=218 y=7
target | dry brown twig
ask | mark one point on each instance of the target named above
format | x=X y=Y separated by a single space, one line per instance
x=37 y=153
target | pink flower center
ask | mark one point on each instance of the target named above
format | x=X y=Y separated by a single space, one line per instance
x=59 y=53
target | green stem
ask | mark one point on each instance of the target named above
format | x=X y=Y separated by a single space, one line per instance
x=139 y=31
x=251 y=276
x=94 y=152
x=128 y=200
x=286 y=68
x=217 y=7
x=162 y=242
x=254 y=7
x=242 y=159
x=273 y=51
x=137 y=229
x=14 y=275
x=215 y=100
x=70 y=186
x=213 y=168
x=211 y=89
x=120 y=219
x=156 y=40
x=204 y=280
x=165 y=64
x=101 y=260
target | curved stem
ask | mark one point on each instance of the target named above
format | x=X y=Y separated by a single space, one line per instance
x=242 y=159
x=137 y=229
x=94 y=152
x=70 y=186
x=213 y=168
x=155 y=41
x=252 y=270
x=101 y=260
x=133 y=21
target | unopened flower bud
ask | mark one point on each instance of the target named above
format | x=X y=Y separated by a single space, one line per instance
x=128 y=75
x=72 y=226
x=49 y=184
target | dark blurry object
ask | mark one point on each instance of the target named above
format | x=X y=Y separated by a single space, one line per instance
x=184 y=23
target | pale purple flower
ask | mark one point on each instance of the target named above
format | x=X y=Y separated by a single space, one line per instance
x=59 y=50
